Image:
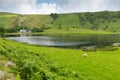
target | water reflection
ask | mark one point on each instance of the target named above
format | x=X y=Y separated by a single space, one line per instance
x=69 y=40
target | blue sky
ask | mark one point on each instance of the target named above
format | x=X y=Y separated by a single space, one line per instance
x=44 y=1
x=57 y=6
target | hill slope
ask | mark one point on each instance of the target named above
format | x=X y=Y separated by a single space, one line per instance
x=105 y=20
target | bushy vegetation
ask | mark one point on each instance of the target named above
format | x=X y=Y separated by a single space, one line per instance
x=2 y=31
x=54 y=16
x=33 y=65
x=109 y=48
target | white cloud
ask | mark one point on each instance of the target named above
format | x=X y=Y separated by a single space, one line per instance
x=57 y=6
x=47 y=8
x=89 y=5
x=27 y=7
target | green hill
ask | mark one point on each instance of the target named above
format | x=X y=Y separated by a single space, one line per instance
x=108 y=21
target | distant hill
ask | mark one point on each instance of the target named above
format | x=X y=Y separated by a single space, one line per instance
x=106 y=20
x=6 y=13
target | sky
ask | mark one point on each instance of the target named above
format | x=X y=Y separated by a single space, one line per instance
x=57 y=6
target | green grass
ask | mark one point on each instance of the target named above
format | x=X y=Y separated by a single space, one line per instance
x=98 y=65
x=77 y=30
x=68 y=64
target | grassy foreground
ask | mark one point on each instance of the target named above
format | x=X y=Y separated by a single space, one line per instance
x=44 y=63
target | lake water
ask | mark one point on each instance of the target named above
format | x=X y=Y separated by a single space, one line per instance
x=70 y=40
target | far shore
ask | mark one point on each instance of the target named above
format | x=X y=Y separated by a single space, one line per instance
x=63 y=31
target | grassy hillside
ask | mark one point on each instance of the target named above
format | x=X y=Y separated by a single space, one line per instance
x=30 y=64
x=107 y=21
x=44 y=63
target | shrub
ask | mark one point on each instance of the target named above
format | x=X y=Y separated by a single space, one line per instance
x=89 y=48
x=109 y=48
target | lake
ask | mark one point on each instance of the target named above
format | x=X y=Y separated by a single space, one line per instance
x=68 y=40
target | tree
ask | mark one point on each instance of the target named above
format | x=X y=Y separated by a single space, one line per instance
x=60 y=26
x=82 y=19
x=90 y=17
x=54 y=16
x=11 y=30
x=105 y=15
x=39 y=29
x=2 y=31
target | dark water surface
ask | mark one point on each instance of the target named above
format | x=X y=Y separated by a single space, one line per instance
x=70 y=40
